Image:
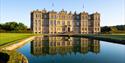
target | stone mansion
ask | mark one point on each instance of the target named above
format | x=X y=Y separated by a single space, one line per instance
x=63 y=22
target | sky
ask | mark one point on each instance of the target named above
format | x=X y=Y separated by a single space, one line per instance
x=112 y=11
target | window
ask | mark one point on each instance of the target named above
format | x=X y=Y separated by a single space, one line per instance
x=58 y=29
x=77 y=23
x=54 y=22
x=45 y=16
x=82 y=28
x=39 y=23
x=89 y=17
x=68 y=22
x=85 y=29
x=98 y=24
x=77 y=17
x=36 y=15
x=55 y=17
x=63 y=22
x=51 y=22
x=51 y=16
x=58 y=22
x=69 y=17
x=86 y=17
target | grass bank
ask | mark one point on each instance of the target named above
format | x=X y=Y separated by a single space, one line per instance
x=116 y=38
x=113 y=36
x=9 y=38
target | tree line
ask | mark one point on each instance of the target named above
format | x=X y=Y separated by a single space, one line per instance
x=14 y=27
x=113 y=29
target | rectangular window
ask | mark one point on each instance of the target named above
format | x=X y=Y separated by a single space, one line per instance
x=45 y=16
x=36 y=15
x=77 y=17
x=58 y=22
x=51 y=22
x=54 y=22
x=68 y=22
x=77 y=23
x=83 y=29
x=63 y=22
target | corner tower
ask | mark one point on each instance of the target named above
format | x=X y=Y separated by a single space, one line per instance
x=94 y=23
x=84 y=22
x=36 y=19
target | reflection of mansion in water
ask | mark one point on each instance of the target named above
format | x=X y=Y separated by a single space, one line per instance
x=63 y=45
x=52 y=22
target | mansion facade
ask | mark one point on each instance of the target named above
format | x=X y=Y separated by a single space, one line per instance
x=63 y=22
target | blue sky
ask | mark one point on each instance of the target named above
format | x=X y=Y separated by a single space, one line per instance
x=112 y=11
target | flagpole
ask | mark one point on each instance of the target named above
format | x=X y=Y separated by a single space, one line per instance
x=52 y=6
x=83 y=6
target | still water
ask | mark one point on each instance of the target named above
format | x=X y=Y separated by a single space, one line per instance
x=45 y=49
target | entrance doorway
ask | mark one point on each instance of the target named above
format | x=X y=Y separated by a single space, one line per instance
x=68 y=29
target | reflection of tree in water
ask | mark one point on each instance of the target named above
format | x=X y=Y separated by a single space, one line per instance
x=63 y=45
x=12 y=57
x=4 y=57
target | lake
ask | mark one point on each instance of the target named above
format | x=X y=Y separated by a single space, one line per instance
x=44 y=49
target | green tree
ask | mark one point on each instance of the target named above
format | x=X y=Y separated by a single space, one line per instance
x=13 y=27
x=105 y=29
x=114 y=29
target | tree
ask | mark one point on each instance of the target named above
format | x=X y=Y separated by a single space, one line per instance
x=105 y=29
x=120 y=27
x=10 y=26
x=114 y=29
x=21 y=27
x=13 y=27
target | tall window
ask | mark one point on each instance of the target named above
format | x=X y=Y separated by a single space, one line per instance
x=39 y=22
x=77 y=23
x=58 y=22
x=63 y=22
x=77 y=17
x=45 y=16
x=54 y=22
x=36 y=15
x=55 y=17
x=51 y=22
x=68 y=22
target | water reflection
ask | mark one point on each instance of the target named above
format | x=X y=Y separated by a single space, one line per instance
x=12 y=57
x=44 y=45
x=4 y=57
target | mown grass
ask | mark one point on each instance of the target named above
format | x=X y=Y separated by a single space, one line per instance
x=111 y=36
x=114 y=36
x=6 y=38
x=105 y=36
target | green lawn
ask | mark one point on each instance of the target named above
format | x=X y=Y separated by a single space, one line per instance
x=114 y=36
x=6 y=38
x=108 y=36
